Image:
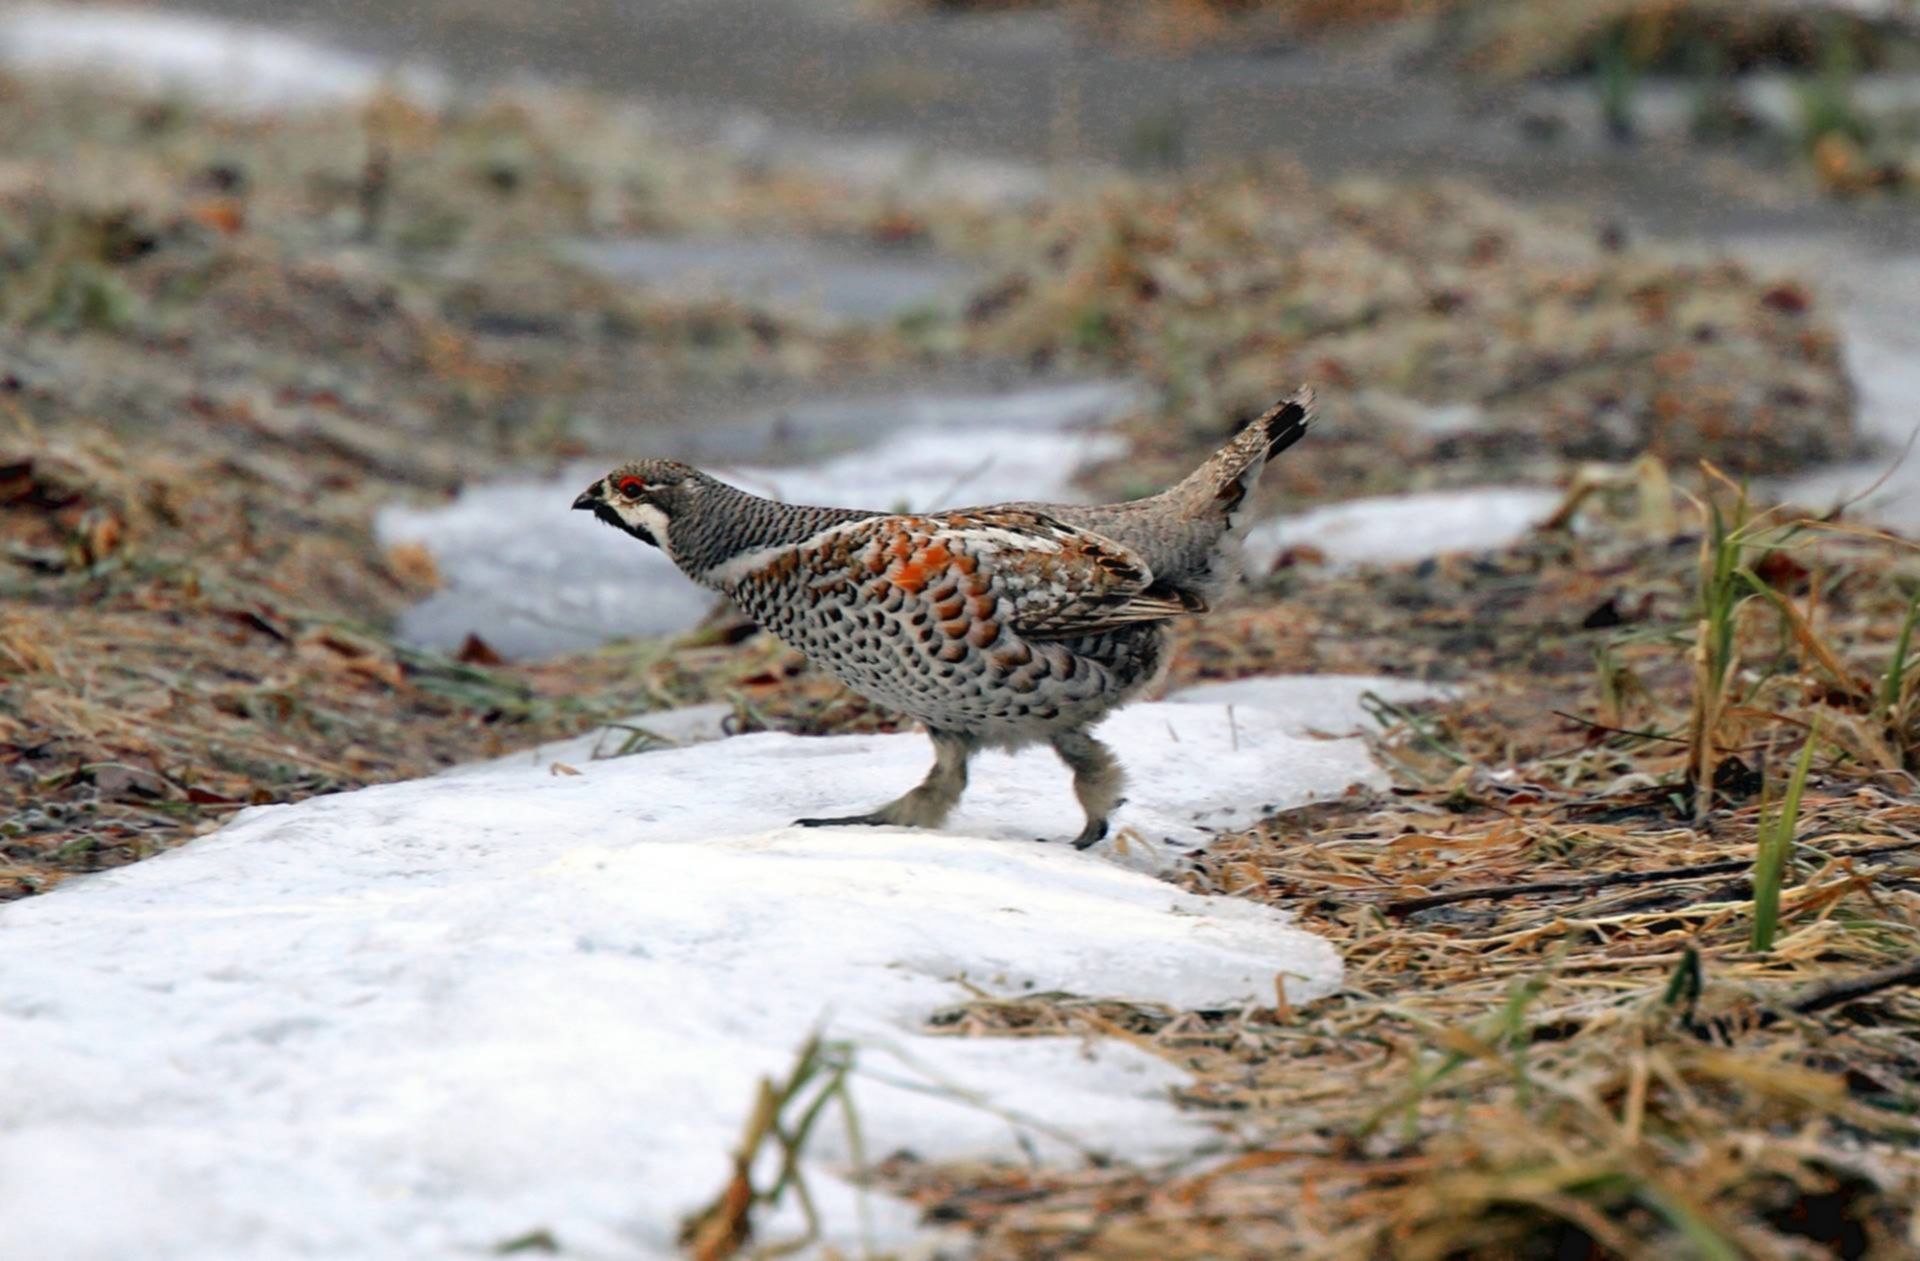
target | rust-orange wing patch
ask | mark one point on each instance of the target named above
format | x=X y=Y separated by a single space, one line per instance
x=1055 y=581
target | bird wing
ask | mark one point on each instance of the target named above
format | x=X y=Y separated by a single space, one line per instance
x=1058 y=582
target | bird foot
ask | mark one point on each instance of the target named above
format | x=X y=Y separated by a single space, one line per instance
x=1091 y=835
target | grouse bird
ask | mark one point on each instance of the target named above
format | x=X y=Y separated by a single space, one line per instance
x=996 y=627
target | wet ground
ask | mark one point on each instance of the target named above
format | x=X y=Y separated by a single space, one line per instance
x=1023 y=87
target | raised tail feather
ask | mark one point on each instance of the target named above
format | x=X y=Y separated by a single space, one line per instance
x=1287 y=421
x=1232 y=471
x=1186 y=534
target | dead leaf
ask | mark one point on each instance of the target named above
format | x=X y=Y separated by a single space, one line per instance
x=222 y=214
x=413 y=565
x=475 y=651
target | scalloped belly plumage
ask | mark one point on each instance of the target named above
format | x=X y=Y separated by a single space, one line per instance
x=940 y=648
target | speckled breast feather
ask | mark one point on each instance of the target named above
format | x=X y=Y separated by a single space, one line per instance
x=1004 y=623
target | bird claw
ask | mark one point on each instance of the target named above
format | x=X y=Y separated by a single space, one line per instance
x=1091 y=835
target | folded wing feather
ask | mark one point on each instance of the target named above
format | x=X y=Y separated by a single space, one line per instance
x=1062 y=582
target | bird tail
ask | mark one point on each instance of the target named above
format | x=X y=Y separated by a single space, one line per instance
x=1231 y=473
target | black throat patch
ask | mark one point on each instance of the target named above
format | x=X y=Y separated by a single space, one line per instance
x=605 y=512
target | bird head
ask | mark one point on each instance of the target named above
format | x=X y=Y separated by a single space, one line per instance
x=644 y=498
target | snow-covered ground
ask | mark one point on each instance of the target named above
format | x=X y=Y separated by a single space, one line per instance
x=1394 y=528
x=1321 y=704
x=421 y=1019
x=233 y=66
x=532 y=577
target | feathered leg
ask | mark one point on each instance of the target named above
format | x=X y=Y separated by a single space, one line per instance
x=1097 y=781
x=928 y=804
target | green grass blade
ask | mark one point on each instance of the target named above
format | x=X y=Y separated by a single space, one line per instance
x=1770 y=857
x=1894 y=683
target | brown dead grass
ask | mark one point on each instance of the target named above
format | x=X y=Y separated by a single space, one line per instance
x=226 y=344
x=183 y=637
x=1552 y=339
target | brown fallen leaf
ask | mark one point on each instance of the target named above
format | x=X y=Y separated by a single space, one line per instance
x=475 y=651
x=353 y=655
x=413 y=565
x=223 y=214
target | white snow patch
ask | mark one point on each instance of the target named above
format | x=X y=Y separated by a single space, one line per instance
x=233 y=66
x=874 y=161
x=419 y=1019
x=1875 y=300
x=1313 y=704
x=532 y=577
x=641 y=733
x=1397 y=528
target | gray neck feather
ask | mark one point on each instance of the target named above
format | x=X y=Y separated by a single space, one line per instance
x=729 y=522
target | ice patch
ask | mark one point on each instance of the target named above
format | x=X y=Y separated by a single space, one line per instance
x=833 y=279
x=232 y=66
x=874 y=161
x=421 y=1019
x=533 y=578
x=1396 y=528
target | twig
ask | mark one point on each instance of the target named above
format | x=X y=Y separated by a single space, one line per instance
x=1839 y=509
x=1618 y=731
x=1834 y=993
x=1580 y=884
x=960 y=483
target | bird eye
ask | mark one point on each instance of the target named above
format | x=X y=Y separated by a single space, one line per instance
x=632 y=487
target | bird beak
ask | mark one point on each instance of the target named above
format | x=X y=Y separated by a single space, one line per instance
x=589 y=499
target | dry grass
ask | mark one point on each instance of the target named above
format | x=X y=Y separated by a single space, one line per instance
x=1605 y=1068
x=180 y=639
x=1554 y=342
x=218 y=363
